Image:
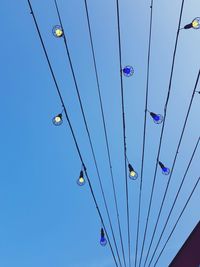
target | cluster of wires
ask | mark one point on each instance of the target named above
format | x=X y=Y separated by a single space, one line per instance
x=129 y=170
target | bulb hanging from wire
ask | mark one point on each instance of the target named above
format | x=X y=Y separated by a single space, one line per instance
x=81 y=179
x=195 y=24
x=132 y=173
x=57 y=31
x=128 y=71
x=57 y=120
x=165 y=170
x=103 y=240
x=157 y=118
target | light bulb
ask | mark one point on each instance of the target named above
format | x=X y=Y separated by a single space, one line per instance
x=165 y=170
x=195 y=24
x=157 y=118
x=128 y=71
x=103 y=240
x=57 y=31
x=57 y=120
x=81 y=180
x=132 y=173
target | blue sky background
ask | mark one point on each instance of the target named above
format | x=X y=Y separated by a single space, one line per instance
x=46 y=219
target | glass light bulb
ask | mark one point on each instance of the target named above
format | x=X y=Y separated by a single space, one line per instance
x=57 y=31
x=103 y=241
x=81 y=181
x=133 y=175
x=157 y=118
x=128 y=71
x=57 y=120
x=165 y=170
x=196 y=23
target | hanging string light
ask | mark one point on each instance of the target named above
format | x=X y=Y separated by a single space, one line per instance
x=57 y=120
x=133 y=175
x=103 y=240
x=157 y=118
x=195 y=24
x=57 y=31
x=81 y=179
x=128 y=71
x=165 y=170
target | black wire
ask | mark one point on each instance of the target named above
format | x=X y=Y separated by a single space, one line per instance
x=174 y=162
x=144 y=132
x=104 y=126
x=174 y=201
x=162 y=131
x=87 y=129
x=71 y=129
x=124 y=131
x=177 y=222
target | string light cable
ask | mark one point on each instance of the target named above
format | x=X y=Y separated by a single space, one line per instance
x=104 y=127
x=173 y=165
x=144 y=132
x=124 y=130
x=162 y=131
x=87 y=129
x=71 y=128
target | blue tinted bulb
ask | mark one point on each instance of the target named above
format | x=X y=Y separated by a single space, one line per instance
x=103 y=241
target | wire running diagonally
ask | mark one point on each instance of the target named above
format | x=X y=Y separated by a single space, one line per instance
x=173 y=205
x=71 y=128
x=144 y=132
x=180 y=216
x=162 y=131
x=124 y=130
x=104 y=126
x=87 y=130
x=173 y=165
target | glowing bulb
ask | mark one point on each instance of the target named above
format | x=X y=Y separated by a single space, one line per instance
x=81 y=180
x=103 y=240
x=195 y=24
x=132 y=173
x=128 y=71
x=157 y=118
x=57 y=120
x=165 y=170
x=57 y=31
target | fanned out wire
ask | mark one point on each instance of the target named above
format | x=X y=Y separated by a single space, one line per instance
x=173 y=205
x=87 y=130
x=174 y=162
x=124 y=131
x=188 y=200
x=144 y=132
x=162 y=131
x=105 y=128
x=71 y=129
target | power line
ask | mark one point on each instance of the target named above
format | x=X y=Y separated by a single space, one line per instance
x=162 y=131
x=174 y=162
x=71 y=128
x=188 y=200
x=87 y=129
x=144 y=132
x=179 y=190
x=124 y=130
x=104 y=126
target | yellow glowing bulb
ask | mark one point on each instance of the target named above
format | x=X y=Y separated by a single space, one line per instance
x=132 y=173
x=81 y=180
x=195 y=24
x=59 y=32
x=57 y=119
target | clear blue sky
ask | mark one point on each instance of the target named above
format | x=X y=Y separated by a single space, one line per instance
x=46 y=219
